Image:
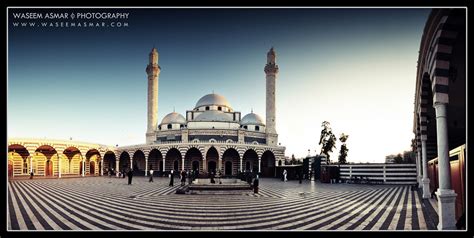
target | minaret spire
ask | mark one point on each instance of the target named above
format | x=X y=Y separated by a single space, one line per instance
x=153 y=72
x=271 y=72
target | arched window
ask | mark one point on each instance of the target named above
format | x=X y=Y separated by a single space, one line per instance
x=181 y=126
x=257 y=128
x=207 y=108
x=245 y=127
x=219 y=108
x=159 y=127
x=169 y=126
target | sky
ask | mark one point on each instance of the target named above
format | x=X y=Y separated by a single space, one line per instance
x=355 y=68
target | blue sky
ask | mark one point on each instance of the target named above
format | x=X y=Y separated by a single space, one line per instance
x=355 y=68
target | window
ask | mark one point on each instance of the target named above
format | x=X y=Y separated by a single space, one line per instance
x=207 y=108
x=169 y=126
x=257 y=128
x=219 y=108
x=245 y=127
x=181 y=126
x=159 y=127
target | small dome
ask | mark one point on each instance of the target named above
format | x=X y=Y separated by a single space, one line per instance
x=213 y=99
x=213 y=116
x=252 y=119
x=173 y=118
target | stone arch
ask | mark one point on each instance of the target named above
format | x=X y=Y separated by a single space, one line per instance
x=93 y=160
x=231 y=155
x=18 y=155
x=124 y=161
x=138 y=162
x=109 y=161
x=212 y=159
x=250 y=160
x=48 y=164
x=173 y=157
x=268 y=164
x=155 y=158
x=193 y=155
x=72 y=160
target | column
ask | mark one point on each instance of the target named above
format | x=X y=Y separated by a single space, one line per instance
x=425 y=180
x=131 y=163
x=83 y=166
x=59 y=166
x=117 y=165
x=241 y=160
x=259 y=164
x=419 y=168
x=31 y=164
x=182 y=164
x=446 y=195
x=204 y=165
x=219 y=164
x=164 y=168
x=101 y=166
x=146 y=165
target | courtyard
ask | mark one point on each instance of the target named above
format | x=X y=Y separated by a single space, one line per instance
x=103 y=203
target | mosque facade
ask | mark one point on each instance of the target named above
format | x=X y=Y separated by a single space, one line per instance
x=210 y=137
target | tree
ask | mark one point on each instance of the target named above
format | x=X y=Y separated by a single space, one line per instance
x=344 y=150
x=398 y=159
x=327 y=139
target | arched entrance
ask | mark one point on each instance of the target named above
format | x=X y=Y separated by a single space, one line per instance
x=92 y=167
x=176 y=165
x=74 y=160
x=211 y=166
x=193 y=159
x=212 y=160
x=49 y=168
x=155 y=160
x=195 y=165
x=172 y=160
x=138 y=163
x=268 y=164
x=18 y=155
x=228 y=168
x=251 y=160
x=109 y=162
x=124 y=162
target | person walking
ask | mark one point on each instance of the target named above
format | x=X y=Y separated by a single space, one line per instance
x=255 y=184
x=284 y=175
x=171 y=178
x=32 y=174
x=130 y=176
x=151 y=176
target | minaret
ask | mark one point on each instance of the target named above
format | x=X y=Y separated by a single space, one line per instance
x=271 y=71
x=153 y=72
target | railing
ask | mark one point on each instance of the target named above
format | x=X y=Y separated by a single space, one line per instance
x=381 y=173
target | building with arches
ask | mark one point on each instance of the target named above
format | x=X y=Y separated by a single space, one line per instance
x=210 y=137
x=439 y=121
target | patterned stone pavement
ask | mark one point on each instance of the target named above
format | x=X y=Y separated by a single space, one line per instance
x=102 y=203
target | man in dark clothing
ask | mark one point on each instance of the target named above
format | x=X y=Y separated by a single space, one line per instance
x=130 y=176
x=255 y=185
x=212 y=177
x=171 y=178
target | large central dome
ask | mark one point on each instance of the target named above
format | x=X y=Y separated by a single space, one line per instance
x=212 y=100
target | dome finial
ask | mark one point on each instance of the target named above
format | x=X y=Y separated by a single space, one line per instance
x=173 y=109
x=251 y=110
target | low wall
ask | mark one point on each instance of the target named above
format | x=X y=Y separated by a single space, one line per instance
x=388 y=173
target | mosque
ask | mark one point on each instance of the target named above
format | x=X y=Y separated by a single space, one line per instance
x=209 y=137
